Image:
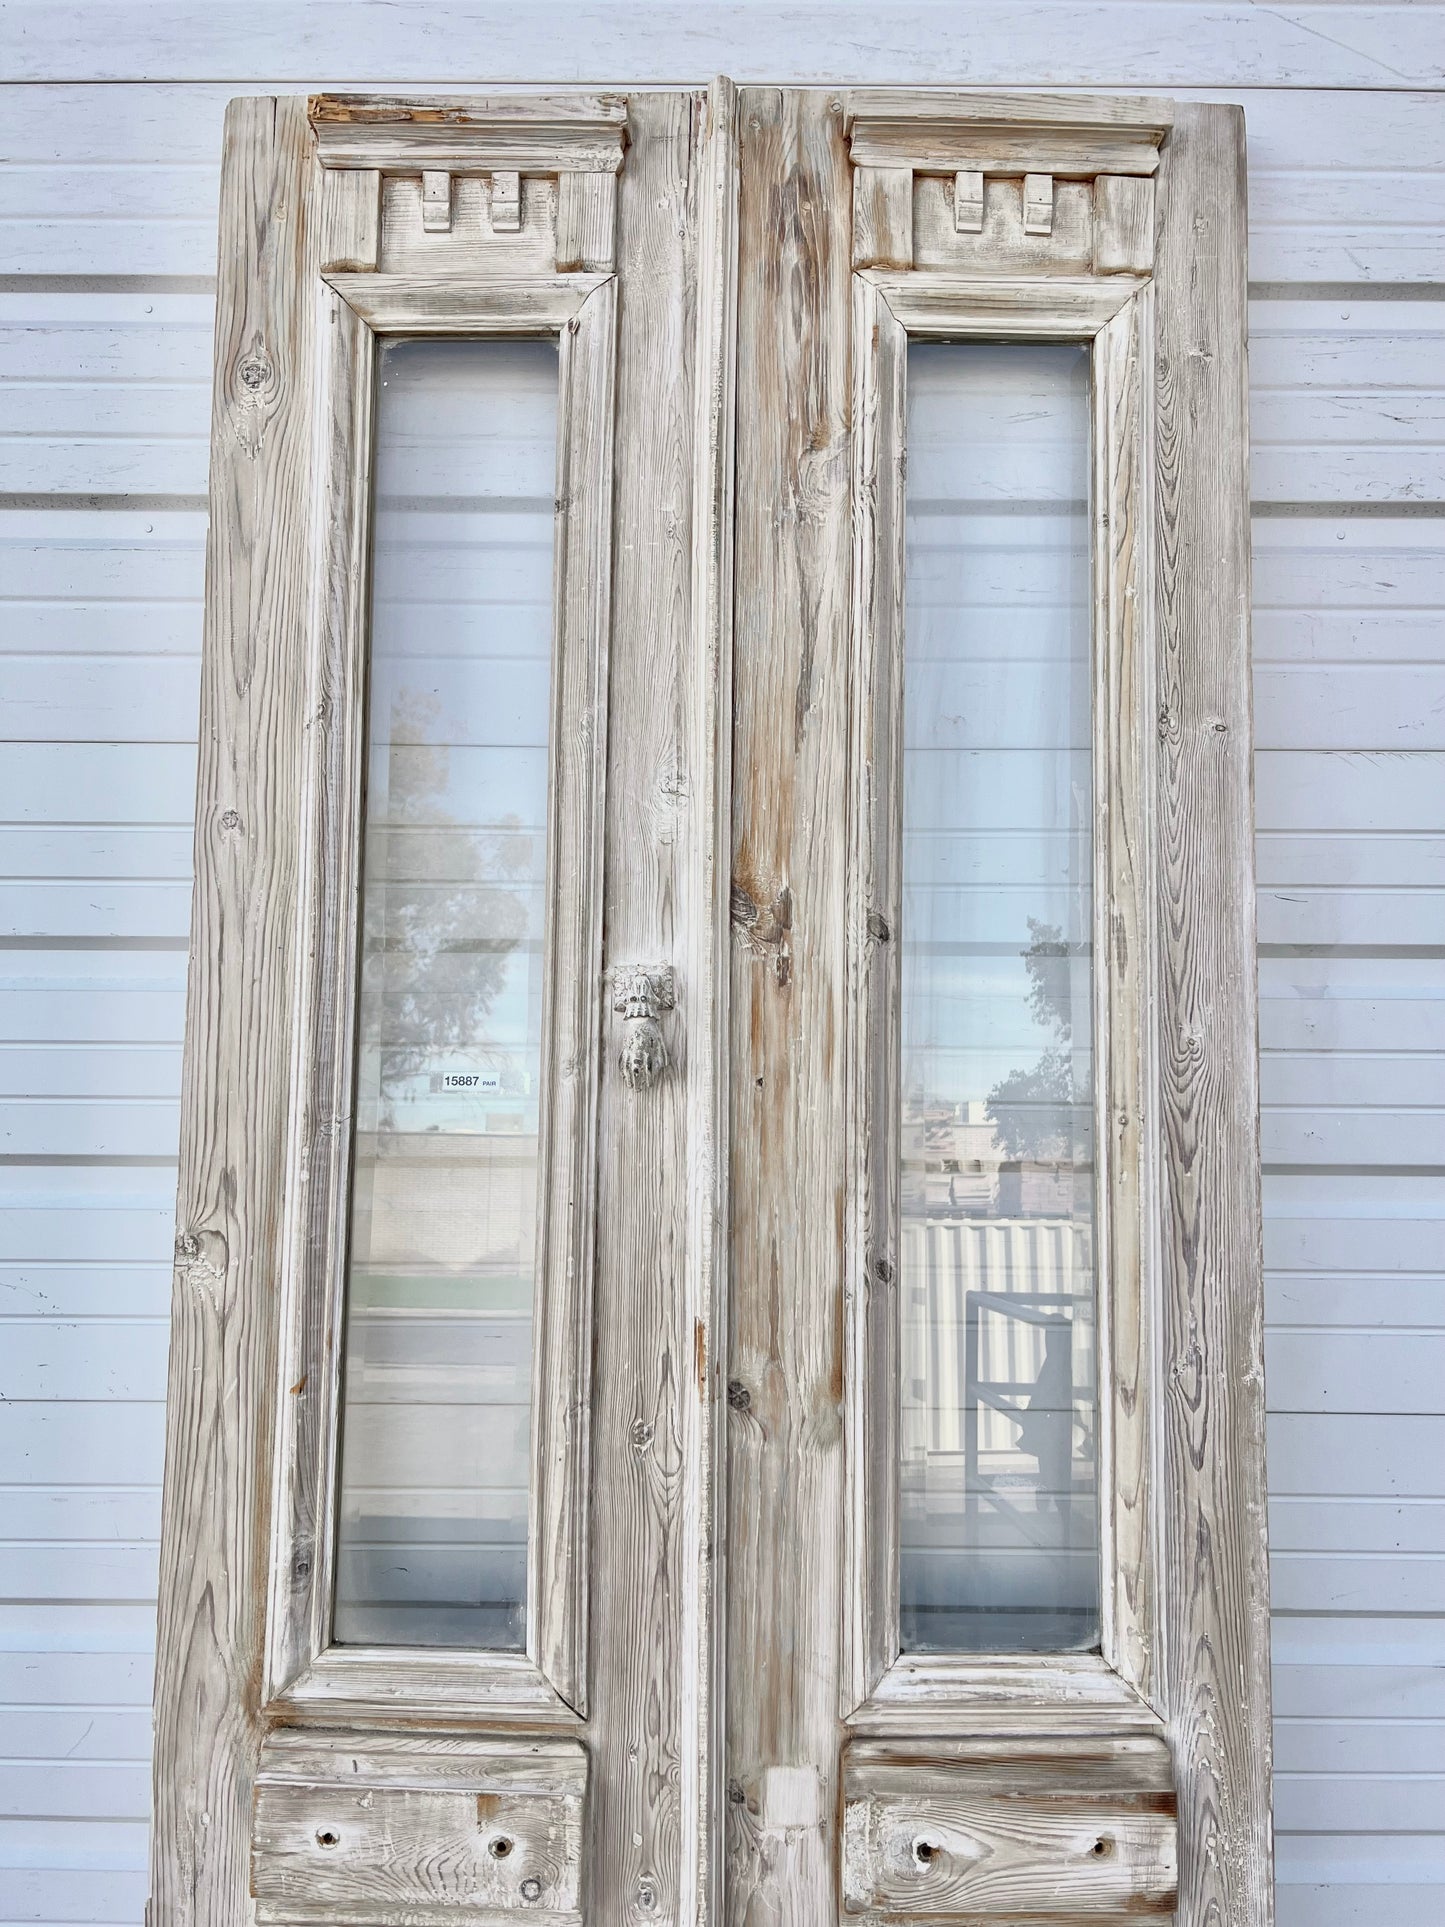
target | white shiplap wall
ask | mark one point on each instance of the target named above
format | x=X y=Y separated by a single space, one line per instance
x=109 y=136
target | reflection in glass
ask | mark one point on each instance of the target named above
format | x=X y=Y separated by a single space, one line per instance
x=998 y=1406
x=432 y=1546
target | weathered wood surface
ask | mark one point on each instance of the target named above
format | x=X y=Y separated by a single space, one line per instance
x=882 y=217
x=874 y=1002
x=586 y=237
x=464 y=304
x=471 y=134
x=1052 y=1831
x=559 y=1571
x=925 y=1694
x=360 y=1683
x=429 y=1827
x=327 y=813
x=650 y=1651
x=1216 y=1582
x=469 y=247
x=1126 y=1111
x=705 y=956
x=791 y=639
x=240 y=1012
x=994 y=241
x=1123 y=225
x=967 y=306
x=1035 y=135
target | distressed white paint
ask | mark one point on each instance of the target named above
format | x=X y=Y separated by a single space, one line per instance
x=104 y=412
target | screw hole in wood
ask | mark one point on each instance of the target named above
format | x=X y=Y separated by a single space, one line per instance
x=925 y=1852
x=1102 y=1847
x=500 y=1847
x=327 y=1837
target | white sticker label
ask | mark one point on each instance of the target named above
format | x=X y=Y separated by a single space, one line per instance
x=471 y=1080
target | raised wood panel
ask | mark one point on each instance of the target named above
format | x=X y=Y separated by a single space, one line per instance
x=1060 y=1830
x=428 y=1825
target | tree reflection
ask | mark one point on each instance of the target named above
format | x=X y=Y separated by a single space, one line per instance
x=444 y=905
x=1032 y=1111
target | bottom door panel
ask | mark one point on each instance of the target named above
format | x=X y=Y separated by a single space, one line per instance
x=426 y=1827
x=1009 y=1831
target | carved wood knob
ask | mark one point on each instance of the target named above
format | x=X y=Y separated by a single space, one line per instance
x=640 y=992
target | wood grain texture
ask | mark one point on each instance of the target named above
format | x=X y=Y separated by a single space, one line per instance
x=534 y=133
x=586 y=239
x=392 y=304
x=882 y=217
x=925 y=1694
x=360 y=1683
x=791 y=640
x=650 y=1804
x=221 y=1404
x=470 y=247
x=1125 y=1109
x=432 y=1827
x=1123 y=225
x=1215 y=1570
x=1073 y=136
x=1024 y=1832
x=874 y=1006
x=968 y=307
x=998 y=244
x=705 y=964
x=559 y=1569
x=327 y=810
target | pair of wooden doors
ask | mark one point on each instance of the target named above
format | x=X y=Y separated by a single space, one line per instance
x=715 y=1371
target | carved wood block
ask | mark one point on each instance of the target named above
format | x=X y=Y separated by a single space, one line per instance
x=968 y=202
x=1123 y=225
x=1014 y=1832
x=1038 y=203
x=883 y=217
x=586 y=223
x=436 y=201
x=427 y=1826
x=506 y=203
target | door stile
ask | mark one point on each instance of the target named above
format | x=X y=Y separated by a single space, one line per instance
x=1212 y=1412
x=789 y=985
x=705 y=964
x=661 y=1148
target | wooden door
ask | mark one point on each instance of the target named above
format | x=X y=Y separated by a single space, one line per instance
x=715 y=1363
x=996 y=1607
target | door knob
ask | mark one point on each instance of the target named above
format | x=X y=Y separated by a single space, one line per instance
x=639 y=993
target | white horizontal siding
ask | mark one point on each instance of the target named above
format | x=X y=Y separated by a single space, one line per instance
x=103 y=427
x=1030 y=43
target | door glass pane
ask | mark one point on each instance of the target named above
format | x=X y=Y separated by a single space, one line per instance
x=435 y=1441
x=998 y=1404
